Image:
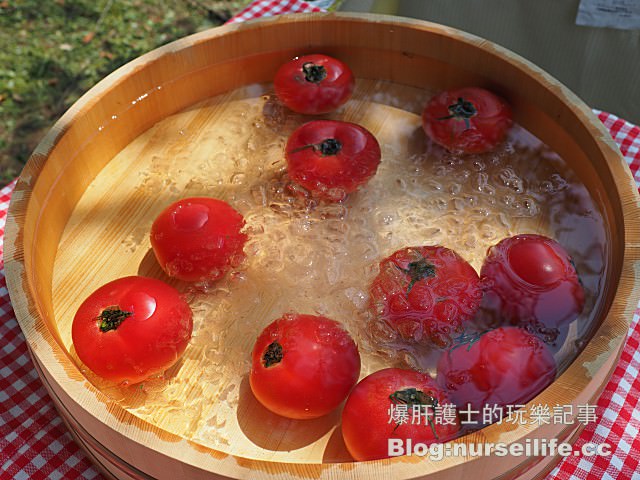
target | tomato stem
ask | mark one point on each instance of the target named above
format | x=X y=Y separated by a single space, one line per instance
x=272 y=355
x=330 y=146
x=413 y=397
x=112 y=317
x=417 y=271
x=327 y=147
x=462 y=109
x=314 y=73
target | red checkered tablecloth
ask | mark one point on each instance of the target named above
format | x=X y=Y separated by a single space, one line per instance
x=35 y=444
x=269 y=8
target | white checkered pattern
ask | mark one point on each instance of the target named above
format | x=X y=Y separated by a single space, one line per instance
x=275 y=7
x=34 y=444
x=627 y=136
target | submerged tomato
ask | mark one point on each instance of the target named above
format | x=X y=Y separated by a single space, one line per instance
x=468 y=120
x=332 y=158
x=131 y=328
x=375 y=413
x=426 y=294
x=303 y=366
x=314 y=84
x=505 y=366
x=198 y=239
x=531 y=280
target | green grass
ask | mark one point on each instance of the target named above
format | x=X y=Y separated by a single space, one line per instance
x=55 y=50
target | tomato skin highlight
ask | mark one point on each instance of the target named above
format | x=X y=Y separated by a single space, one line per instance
x=478 y=127
x=329 y=87
x=367 y=424
x=531 y=280
x=506 y=366
x=331 y=158
x=311 y=372
x=198 y=239
x=146 y=343
x=426 y=306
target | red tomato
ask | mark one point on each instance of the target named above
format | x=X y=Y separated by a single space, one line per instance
x=426 y=294
x=332 y=158
x=198 y=239
x=314 y=84
x=505 y=366
x=531 y=280
x=369 y=421
x=131 y=328
x=303 y=366
x=468 y=120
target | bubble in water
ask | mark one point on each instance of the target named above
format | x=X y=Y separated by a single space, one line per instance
x=458 y=204
x=509 y=178
x=357 y=297
x=455 y=188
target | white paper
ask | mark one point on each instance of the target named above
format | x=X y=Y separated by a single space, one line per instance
x=326 y=4
x=623 y=14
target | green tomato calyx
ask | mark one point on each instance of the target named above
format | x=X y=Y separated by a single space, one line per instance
x=314 y=73
x=111 y=318
x=462 y=109
x=415 y=398
x=272 y=355
x=326 y=148
x=330 y=146
x=419 y=270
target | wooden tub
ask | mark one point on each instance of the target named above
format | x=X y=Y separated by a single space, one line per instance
x=152 y=132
